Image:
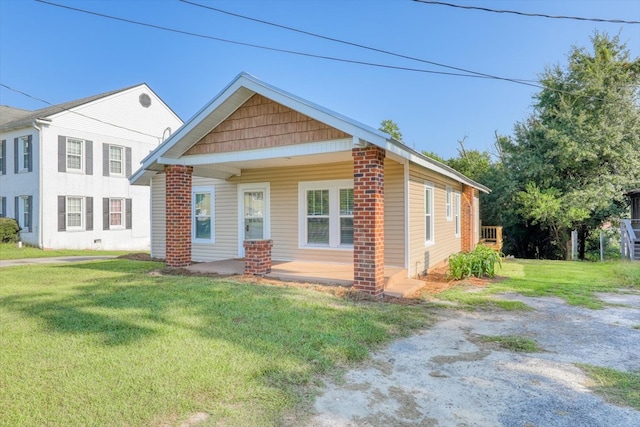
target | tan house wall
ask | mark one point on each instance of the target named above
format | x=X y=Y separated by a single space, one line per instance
x=425 y=257
x=283 y=212
x=263 y=123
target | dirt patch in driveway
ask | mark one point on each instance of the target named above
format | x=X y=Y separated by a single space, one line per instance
x=446 y=376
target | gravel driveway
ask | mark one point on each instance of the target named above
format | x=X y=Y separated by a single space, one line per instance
x=446 y=376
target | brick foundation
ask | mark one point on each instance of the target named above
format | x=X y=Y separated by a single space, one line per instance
x=467 y=219
x=257 y=257
x=368 y=219
x=178 y=211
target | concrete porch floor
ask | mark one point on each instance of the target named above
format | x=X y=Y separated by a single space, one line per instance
x=396 y=283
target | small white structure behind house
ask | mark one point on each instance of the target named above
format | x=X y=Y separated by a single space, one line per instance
x=64 y=169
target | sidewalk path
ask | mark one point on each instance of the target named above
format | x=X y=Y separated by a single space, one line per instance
x=52 y=260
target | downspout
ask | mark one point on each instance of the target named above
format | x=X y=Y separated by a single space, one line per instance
x=35 y=124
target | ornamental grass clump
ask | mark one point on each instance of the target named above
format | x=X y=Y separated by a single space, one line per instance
x=480 y=262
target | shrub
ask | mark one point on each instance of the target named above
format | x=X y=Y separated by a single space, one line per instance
x=9 y=229
x=480 y=262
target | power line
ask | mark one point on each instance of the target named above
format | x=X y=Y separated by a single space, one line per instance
x=348 y=43
x=305 y=54
x=75 y=112
x=537 y=15
x=292 y=52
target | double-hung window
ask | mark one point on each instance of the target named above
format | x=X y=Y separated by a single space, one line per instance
x=23 y=154
x=448 y=204
x=429 y=222
x=116 y=209
x=458 y=210
x=326 y=214
x=116 y=157
x=3 y=154
x=202 y=209
x=74 y=213
x=75 y=148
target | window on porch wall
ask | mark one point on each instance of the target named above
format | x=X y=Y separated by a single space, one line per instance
x=328 y=214
x=202 y=221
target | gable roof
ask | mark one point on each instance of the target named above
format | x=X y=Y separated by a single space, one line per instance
x=243 y=87
x=18 y=118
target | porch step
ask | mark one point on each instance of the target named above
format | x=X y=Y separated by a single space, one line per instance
x=403 y=288
x=393 y=275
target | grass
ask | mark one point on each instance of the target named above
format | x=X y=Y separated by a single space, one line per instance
x=576 y=282
x=11 y=251
x=620 y=388
x=105 y=343
x=514 y=343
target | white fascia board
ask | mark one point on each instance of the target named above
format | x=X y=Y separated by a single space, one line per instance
x=433 y=165
x=142 y=177
x=293 y=150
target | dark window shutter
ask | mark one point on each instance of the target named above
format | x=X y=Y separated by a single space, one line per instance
x=16 y=212
x=3 y=206
x=88 y=148
x=105 y=213
x=30 y=215
x=89 y=213
x=128 y=214
x=15 y=156
x=128 y=161
x=4 y=158
x=62 y=153
x=62 y=213
x=30 y=145
x=105 y=159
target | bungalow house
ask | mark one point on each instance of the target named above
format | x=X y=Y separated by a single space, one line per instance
x=260 y=170
x=64 y=169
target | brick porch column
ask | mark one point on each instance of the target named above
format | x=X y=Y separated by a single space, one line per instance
x=467 y=219
x=178 y=215
x=257 y=257
x=368 y=219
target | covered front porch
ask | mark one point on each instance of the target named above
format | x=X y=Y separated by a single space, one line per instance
x=396 y=283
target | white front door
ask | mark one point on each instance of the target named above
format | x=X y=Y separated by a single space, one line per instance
x=253 y=213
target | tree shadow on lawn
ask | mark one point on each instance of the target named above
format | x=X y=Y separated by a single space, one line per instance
x=123 y=308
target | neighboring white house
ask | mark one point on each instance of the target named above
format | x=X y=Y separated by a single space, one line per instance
x=64 y=169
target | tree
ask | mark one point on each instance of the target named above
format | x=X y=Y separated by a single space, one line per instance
x=392 y=128
x=580 y=146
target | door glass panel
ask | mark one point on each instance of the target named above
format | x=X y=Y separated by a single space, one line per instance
x=253 y=215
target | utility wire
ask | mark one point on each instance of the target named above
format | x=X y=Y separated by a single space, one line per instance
x=75 y=112
x=310 y=55
x=537 y=15
x=348 y=43
x=292 y=52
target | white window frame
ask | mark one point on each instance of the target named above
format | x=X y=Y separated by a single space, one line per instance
x=448 y=204
x=458 y=212
x=334 y=187
x=2 y=159
x=122 y=160
x=23 y=214
x=23 y=152
x=67 y=212
x=429 y=217
x=81 y=155
x=122 y=213
x=211 y=192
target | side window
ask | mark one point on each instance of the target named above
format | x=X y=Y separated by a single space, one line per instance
x=429 y=232
x=449 y=209
x=23 y=154
x=116 y=156
x=3 y=157
x=75 y=155
x=116 y=160
x=458 y=210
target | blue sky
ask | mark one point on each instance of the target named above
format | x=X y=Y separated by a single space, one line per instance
x=60 y=55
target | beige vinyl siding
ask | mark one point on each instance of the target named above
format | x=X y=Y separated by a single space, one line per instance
x=425 y=257
x=225 y=222
x=394 y=233
x=284 y=207
x=158 y=216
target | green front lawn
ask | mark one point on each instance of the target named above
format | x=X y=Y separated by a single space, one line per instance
x=106 y=343
x=11 y=251
x=575 y=282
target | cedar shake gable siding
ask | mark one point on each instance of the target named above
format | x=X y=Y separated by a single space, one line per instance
x=263 y=123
